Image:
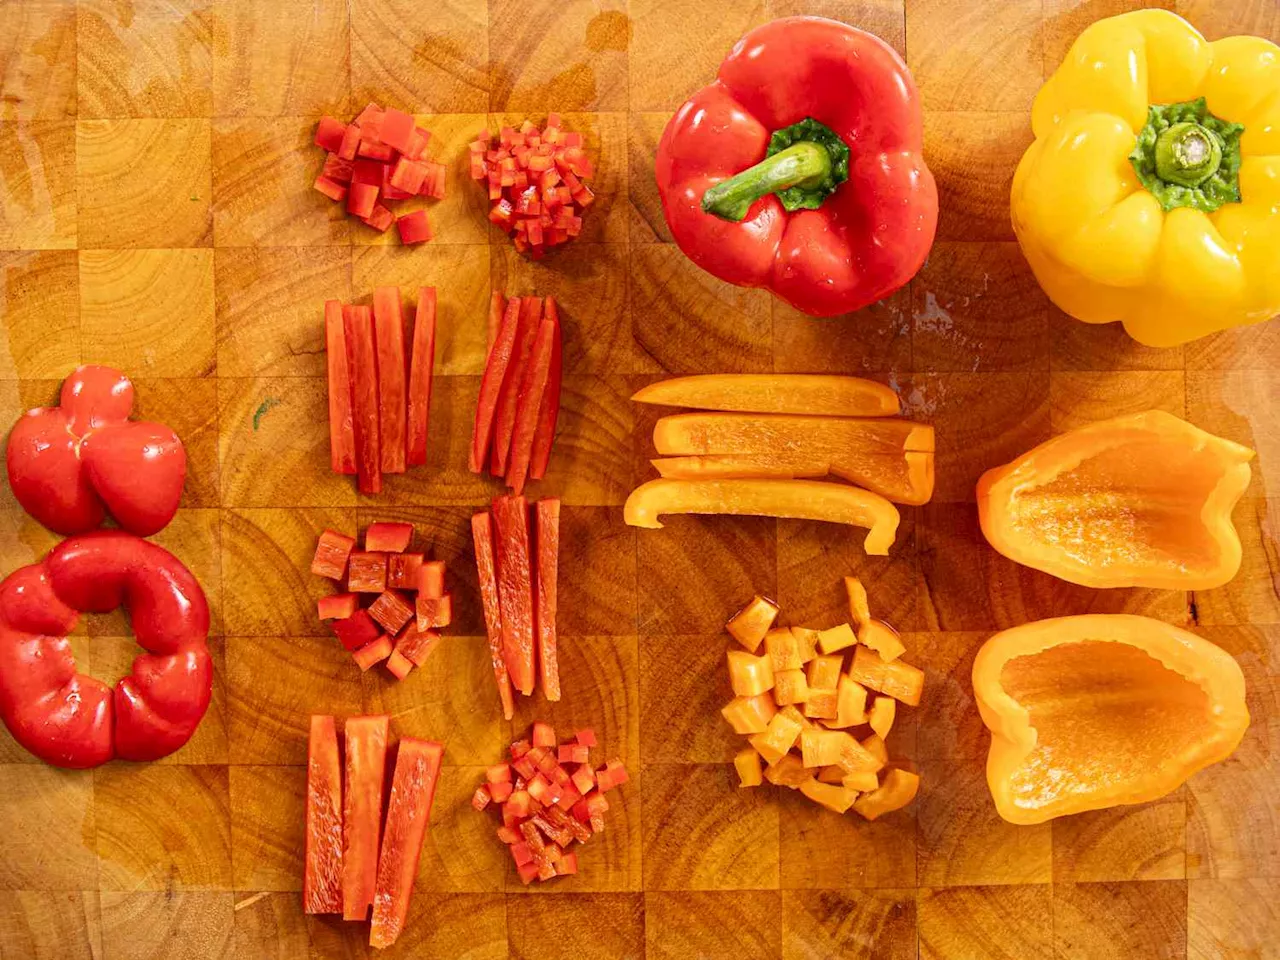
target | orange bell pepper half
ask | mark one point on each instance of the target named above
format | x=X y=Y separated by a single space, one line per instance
x=1142 y=500
x=796 y=499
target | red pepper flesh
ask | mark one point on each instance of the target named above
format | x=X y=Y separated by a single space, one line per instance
x=322 y=874
x=549 y=408
x=355 y=631
x=422 y=360
x=413 y=791
x=390 y=611
x=522 y=352
x=529 y=406
x=373 y=653
x=333 y=551
x=338 y=606
x=547 y=538
x=342 y=435
x=416 y=644
x=414 y=227
x=515 y=589
x=870 y=236
x=482 y=537
x=389 y=336
x=366 y=751
x=403 y=571
x=363 y=365
x=495 y=372
x=366 y=572
x=388 y=537
x=431 y=580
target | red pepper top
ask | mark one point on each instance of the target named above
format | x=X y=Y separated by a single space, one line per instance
x=865 y=240
x=70 y=719
x=71 y=463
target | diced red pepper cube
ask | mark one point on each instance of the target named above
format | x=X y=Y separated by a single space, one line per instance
x=388 y=537
x=539 y=788
x=597 y=805
x=568 y=798
x=431 y=579
x=337 y=606
x=502 y=213
x=559 y=775
x=391 y=611
x=501 y=791
x=403 y=571
x=567 y=865
x=335 y=168
x=397 y=129
x=329 y=134
x=521 y=853
x=399 y=665
x=528 y=872
x=367 y=171
x=519 y=749
x=380 y=219
x=584 y=779
x=418 y=145
x=374 y=149
x=367 y=572
x=498 y=773
x=333 y=550
x=356 y=630
x=373 y=653
x=350 y=142
x=547 y=764
x=520 y=803
x=481 y=798
x=416 y=645
x=544 y=735
x=331 y=188
x=361 y=199
x=617 y=772
x=408 y=175
x=586 y=737
x=581 y=812
x=509 y=834
x=435 y=612
x=477 y=166
x=414 y=227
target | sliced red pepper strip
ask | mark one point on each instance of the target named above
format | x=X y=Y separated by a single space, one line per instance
x=366 y=743
x=342 y=436
x=362 y=363
x=547 y=537
x=495 y=372
x=549 y=410
x=504 y=427
x=482 y=535
x=529 y=406
x=422 y=361
x=413 y=790
x=322 y=875
x=515 y=589
x=389 y=332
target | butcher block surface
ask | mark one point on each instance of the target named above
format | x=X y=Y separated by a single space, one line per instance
x=156 y=214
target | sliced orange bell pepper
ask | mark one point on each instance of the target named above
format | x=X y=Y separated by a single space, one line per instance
x=797 y=499
x=898 y=789
x=888 y=456
x=1092 y=711
x=816 y=394
x=1142 y=500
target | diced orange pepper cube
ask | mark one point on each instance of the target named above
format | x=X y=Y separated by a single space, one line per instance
x=863 y=781
x=749 y=715
x=831 y=774
x=837 y=798
x=851 y=704
x=807 y=642
x=778 y=738
x=882 y=714
x=787 y=771
x=822 y=748
x=789 y=687
x=855 y=756
x=793 y=714
x=859 y=608
x=823 y=673
x=747 y=763
x=894 y=678
x=898 y=789
x=749 y=625
x=881 y=638
x=875 y=746
x=749 y=675
x=783 y=650
x=822 y=705
x=837 y=638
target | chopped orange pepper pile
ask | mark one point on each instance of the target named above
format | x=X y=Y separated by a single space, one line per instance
x=800 y=706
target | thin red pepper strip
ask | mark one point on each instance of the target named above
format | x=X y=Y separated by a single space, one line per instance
x=423 y=360
x=413 y=790
x=482 y=535
x=515 y=589
x=549 y=409
x=362 y=363
x=342 y=436
x=495 y=372
x=366 y=743
x=322 y=875
x=530 y=320
x=530 y=404
x=389 y=335
x=547 y=535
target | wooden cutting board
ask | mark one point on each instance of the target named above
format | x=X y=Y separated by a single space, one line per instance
x=156 y=214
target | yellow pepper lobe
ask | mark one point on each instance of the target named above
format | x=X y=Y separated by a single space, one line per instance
x=1149 y=195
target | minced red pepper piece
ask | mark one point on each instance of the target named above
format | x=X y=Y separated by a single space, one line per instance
x=335 y=190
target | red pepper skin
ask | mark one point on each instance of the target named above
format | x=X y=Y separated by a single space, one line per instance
x=72 y=720
x=70 y=464
x=870 y=236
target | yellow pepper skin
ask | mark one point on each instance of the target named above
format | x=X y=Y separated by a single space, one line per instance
x=1110 y=237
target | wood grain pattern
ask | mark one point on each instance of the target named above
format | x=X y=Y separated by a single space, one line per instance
x=156 y=213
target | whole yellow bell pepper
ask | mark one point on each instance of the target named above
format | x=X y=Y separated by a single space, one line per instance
x=1151 y=194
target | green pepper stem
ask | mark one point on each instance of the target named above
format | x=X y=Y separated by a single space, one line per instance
x=803 y=164
x=1187 y=154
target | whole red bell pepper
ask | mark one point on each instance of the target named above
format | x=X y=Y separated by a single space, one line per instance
x=799 y=169
x=70 y=464
x=70 y=719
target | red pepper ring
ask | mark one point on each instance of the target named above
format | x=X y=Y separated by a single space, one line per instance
x=69 y=719
x=865 y=239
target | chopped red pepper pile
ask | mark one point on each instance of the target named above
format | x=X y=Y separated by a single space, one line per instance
x=409 y=603
x=379 y=157
x=355 y=857
x=549 y=796
x=517 y=561
x=379 y=400
x=535 y=182
x=519 y=401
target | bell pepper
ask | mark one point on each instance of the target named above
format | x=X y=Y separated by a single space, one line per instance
x=495 y=372
x=71 y=464
x=799 y=170
x=486 y=574
x=1092 y=711
x=1151 y=195
x=388 y=325
x=333 y=551
x=1142 y=500
x=515 y=589
x=366 y=572
x=404 y=570
x=898 y=789
x=372 y=654
x=342 y=435
x=546 y=528
x=362 y=363
x=802 y=393
x=387 y=537
x=796 y=499
x=529 y=404
x=70 y=719
x=355 y=631
x=750 y=624
x=422 y=363
x=549 y=409
x=391 y=611
x=322 y=873
x=366 y=758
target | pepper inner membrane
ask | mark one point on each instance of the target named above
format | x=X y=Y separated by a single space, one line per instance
x=1106 y=713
